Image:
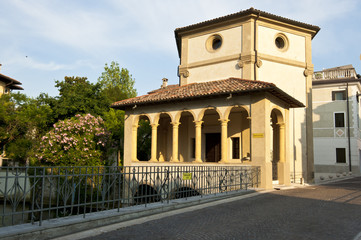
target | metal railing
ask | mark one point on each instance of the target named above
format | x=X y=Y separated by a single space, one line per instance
x=35 y=194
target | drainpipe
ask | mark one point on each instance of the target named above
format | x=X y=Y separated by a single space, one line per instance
x=294 y=149
x=348 y=129
x=255 y=48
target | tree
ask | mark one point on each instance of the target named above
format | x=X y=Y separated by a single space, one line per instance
x=79 y=141
x=78 y=96
x=22 y=121
x=117 y=83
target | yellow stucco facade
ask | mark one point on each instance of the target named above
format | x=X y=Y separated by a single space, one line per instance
x=250 y=45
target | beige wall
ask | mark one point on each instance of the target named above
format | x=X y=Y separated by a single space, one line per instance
x=266 y=43
x=216 y=71
x=288 y=78
x=232 y=43
x=2 y=88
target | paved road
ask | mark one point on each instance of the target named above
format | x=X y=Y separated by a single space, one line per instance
x=331 y=211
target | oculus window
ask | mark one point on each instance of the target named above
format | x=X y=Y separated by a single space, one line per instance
x=214 y=43
x=281 y=42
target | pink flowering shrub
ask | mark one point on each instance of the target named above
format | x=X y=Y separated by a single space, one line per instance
x=79 y=141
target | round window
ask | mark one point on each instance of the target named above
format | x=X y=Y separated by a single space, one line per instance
x=281 y=42
x=214 y=43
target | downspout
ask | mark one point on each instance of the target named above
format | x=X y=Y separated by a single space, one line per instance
x=294 y=148
x=348 y=129
x=255 y=48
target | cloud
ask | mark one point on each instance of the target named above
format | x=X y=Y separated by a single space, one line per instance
x=64 y=25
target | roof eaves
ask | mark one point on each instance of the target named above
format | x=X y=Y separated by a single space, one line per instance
x=7 y=79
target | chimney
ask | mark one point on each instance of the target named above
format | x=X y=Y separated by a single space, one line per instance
x=165 y=82
x=1 y=65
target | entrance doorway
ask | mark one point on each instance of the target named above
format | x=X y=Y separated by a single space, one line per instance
x=213 y=147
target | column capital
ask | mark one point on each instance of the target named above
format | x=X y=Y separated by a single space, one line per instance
x=135 y=126
x=198 y=123
x=223 y=121
x=154 y=125
x=175 y=124
x=280 y=125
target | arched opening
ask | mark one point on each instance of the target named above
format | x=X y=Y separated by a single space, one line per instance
x=277 y=141
x=186 y=135
x=144 y=138
x=211 y=132
x=239 y=134
x=164 y=140
x=146 y=194
x=184 y=192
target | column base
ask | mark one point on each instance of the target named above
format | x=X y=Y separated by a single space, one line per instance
x=223 y=161
x=135 y=160
x=153 y=160
x=197 y=161
x=174 y=160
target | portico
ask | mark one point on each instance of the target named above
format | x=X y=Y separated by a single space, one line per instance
x=233 y=127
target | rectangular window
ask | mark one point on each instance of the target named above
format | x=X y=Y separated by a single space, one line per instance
x=193 y=142
x=338 y=95
x=340 y=155
x=235 y=148
x=339 y=120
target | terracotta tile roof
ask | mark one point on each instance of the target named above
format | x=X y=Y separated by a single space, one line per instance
x=206 y=90
x=167 y=87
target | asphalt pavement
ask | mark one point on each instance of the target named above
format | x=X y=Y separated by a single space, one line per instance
x=329 y=211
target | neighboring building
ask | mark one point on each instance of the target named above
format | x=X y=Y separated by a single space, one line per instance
x=336 y=122
x=7 y=84
x=244 y=98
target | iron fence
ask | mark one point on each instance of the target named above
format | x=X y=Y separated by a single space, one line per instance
x=35 y=194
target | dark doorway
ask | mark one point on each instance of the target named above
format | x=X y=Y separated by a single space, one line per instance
x=213 y=147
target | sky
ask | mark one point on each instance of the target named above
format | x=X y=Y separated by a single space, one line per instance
x=45 y=40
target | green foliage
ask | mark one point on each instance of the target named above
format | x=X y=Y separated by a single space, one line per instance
x=78 y=96
x=117 y=83
x=22 y=120
x=79 y=141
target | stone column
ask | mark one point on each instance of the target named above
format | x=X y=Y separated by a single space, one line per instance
x=224 y=145
x=281 y=127
x=154 y=143
x=175 y=142
x=198 y=125
x=283 y=165
x=134 y=142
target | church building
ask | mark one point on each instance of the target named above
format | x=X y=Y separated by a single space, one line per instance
x=244 y=98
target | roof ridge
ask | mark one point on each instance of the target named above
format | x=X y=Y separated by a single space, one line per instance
x=244 y=12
